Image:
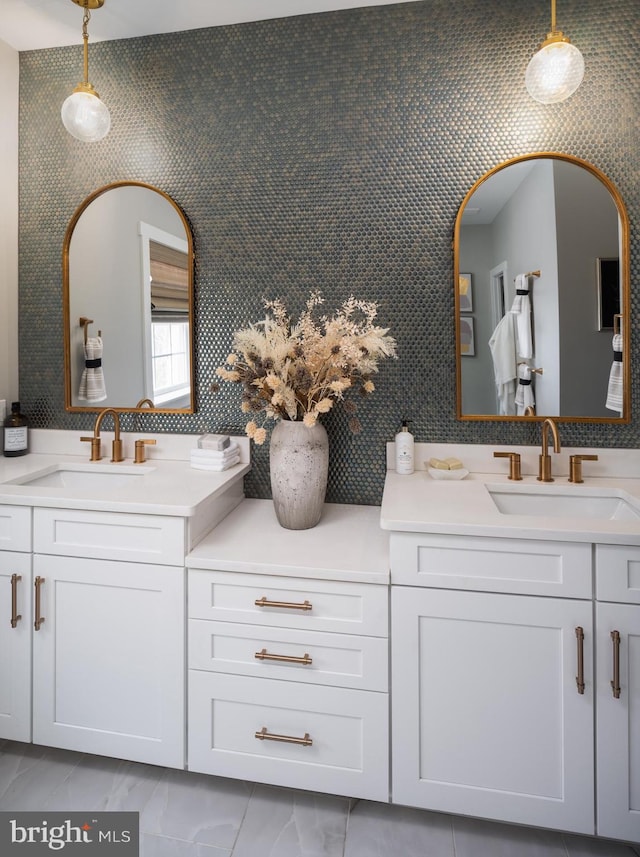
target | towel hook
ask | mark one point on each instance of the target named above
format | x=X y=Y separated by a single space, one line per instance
x=617 y=323
x=84 y=323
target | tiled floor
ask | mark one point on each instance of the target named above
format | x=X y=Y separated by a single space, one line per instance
x=191 y=815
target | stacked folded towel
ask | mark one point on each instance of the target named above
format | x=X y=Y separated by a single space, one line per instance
x=214 y=459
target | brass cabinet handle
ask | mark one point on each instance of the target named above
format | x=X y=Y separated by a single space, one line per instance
x=263 y=735
x=290 y=659
x=615 y=682
x=289 y=605
x=15 y=616
x=39 y=619
x=580 y=676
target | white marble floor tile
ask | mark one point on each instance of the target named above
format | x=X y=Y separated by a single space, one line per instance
x=161 y=846
x=196 y=808
x=383 y=830
x=287 y=823
x=586 y=846
x=30 y=773
x=103 y=784
x=475 y=838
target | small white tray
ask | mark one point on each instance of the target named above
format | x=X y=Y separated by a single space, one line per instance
x=460 y=473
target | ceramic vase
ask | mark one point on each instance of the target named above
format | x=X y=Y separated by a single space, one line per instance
x=299 y=462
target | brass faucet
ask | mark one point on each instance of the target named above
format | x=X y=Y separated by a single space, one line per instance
x=96 y=451
x=544 y=472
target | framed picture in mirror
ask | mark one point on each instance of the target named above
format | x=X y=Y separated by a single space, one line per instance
x=467 y=338
x=465 y=293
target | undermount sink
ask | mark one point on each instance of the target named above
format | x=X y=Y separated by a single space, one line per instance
x=561 y=503
x=82 y=476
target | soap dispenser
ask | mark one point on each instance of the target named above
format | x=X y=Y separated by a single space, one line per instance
x=404 y=450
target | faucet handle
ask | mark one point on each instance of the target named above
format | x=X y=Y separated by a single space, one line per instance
x=575 y=466
x=96 y=452
x=514 y=463
x=139 y=450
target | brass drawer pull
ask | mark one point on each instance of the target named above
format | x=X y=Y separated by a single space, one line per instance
x=580 y=676
x=289 y=605
x=289 y=659
x=615 y=683
x=39 y=619
x=263 y=735
x=15 y=616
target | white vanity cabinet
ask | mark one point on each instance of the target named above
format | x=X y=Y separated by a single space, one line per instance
x=288 y=671
x=502 y=697
x=108 y=655
x=487 y=716
x=618 y=691
x=15 y=623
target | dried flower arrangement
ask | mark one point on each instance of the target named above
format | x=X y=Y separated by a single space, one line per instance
x=298 y=370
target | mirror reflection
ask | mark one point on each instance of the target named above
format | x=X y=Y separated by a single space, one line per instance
x=541 y=265
x=128 y=302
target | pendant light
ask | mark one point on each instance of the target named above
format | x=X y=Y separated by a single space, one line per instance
x=83 y=114
x=556 y=70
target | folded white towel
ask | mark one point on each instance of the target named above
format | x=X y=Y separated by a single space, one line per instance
x=92 y=387
x=615 y=390
x=524 y=393
x=521 y=308
x=215 y=454
x=215 y=466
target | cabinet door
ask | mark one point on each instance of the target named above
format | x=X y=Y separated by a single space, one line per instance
x=15 y=646
x=108 y=660
x=618 y=717
x=487 y=719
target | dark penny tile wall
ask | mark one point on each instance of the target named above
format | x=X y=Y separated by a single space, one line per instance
x=325 y=151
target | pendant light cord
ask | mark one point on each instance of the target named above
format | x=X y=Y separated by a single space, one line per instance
x=85 y=35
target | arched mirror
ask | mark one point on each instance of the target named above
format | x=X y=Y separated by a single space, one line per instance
x=541 y=267
x=128 y=302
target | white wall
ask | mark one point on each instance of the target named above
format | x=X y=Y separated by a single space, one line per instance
x=9 y=73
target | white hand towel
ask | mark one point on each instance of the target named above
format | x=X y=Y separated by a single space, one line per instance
x=521 y=308
x=92 y=386
x=615 y=390
x=524 y=393
x=215 y=466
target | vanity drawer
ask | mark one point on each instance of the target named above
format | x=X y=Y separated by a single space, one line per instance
x=15 y=528
x=347 y=729
x=618 y=573
x=339 y=660
x=110 y=535
x=517 y=566
x=289 y=602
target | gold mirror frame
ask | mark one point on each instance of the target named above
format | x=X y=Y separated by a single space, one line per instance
x=143 y=405
x=625 y=303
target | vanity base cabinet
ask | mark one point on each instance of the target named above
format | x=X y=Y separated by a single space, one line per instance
x=487 y=719
x=618 y=728
x=108 y=659
x=16 y=626
x=288 y=681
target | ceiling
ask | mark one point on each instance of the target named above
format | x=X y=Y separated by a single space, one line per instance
x=34 y=24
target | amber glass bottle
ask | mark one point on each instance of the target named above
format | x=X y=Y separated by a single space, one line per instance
x=16 y=432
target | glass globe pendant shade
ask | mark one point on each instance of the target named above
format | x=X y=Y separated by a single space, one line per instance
x=85 y=116
x=555 y=71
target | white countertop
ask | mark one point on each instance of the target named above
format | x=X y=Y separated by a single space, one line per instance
x=348 y=544
x=169 y=486
x=418 y=503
